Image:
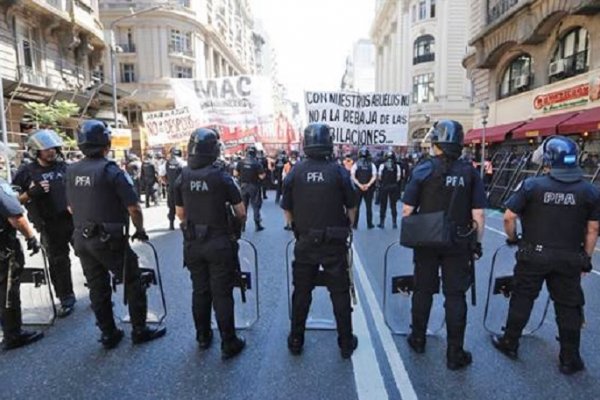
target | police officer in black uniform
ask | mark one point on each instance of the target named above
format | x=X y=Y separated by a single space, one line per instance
x=364 y=176
x=250 y=172
x=43 y=192
x=173 y=167
x=264 y=162
x=134 y=169
x=102 y=198
x=148 y=179
x=559 y=215
x=389 y=175
x=320 y=203
x=12 y=261
x=278 y=174
x=202 y=193
x=431 y=188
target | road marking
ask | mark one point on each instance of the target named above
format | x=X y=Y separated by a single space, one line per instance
x=367 y=372
x=401 y=377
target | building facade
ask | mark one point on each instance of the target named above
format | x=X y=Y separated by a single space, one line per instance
x=360 y=68
x=49 y=50
x=420 y=46
x=535 y=65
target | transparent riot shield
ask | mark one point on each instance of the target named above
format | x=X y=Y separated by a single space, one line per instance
x=398 y=270
x=37 y=299
x=245 y=293
x=321 y=315
x=151 y=281
x=500 y=286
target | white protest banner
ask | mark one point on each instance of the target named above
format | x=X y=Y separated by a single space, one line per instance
x=168 y=126
x=361 y=119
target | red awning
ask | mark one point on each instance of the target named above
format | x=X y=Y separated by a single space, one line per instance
x=587 y=121
x=544 y=126
x=493 y=134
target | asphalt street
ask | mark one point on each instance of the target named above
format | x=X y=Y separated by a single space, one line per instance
x=69 y=363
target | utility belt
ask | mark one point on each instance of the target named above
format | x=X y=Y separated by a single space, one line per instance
x=105 y=231
x=330 y=235
x=201 y=233
x=540 y=254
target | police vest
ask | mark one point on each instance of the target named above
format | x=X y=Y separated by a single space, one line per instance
x=389 y=175
x=173 y=168
x=148 y=172
x=318 y=195
x=55 y=202
x=364 y=171
x=556 y=214
x=437 y=191
x=92 y=194
x=249 y=168
x=281 y=161
x=204 y=196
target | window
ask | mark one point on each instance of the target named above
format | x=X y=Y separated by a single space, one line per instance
x=127 y=73
x=517 y=76
x=422 y=9
x=414 y=13
x=423 y=89
x=98 y=74
x=571 y=56
x=181 y=42
x=181 y=72
x=432 y=9
x=424 y=49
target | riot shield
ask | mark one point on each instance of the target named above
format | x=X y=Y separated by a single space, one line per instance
x=399 y=283
x=151 y=281
x=37 y=299
x=499 y=290
x=245 y=293
x=321 y=315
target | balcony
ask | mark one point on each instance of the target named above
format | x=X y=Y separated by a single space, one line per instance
x=30 y=76
x=126 y=48
x=498 y=8
x=423 y=58
x=58 y=4
x=180 y=51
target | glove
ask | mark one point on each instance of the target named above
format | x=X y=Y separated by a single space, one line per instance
x=587 y=265
x=512 y=242
x=36 y=190
x=140 y=235
x=33 y=245
x=478 y=250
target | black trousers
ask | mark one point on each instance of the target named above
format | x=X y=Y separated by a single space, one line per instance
x=212 y=269
x=56 y=237
x=368 y=199
x=171 y=203
x=308 y=260
x=10 y=317
x=390 y=193
x=99 y=260
x=150 y=193
x=456 y=280
x=251 y=194
x=564 y=285
x=278 y=186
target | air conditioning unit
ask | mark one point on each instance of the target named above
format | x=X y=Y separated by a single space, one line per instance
x=522 y=81
x=557 y=67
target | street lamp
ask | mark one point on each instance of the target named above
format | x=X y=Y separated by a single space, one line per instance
x=485 y=112
x=113 y=55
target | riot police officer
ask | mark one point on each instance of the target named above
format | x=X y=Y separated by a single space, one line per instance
x=43 y=192
x=148 y=179
x=102 y=198
x=278 y=174
x=320 y=203
x=12 y=261
x=134 y=169
x=250 y=173
x=364 y=175
x=389 y=176
x=264 y=162
x=559 y=215
x=445 y=183
x=202 y=193
x=173 y=169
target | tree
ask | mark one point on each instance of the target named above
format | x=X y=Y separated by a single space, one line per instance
x=51 y=116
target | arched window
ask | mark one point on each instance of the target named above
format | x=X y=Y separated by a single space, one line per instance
x=517 y=77
x=424 y=49
x=571 y=56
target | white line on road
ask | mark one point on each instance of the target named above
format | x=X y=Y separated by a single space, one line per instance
x=401 y=377
x=367 y=372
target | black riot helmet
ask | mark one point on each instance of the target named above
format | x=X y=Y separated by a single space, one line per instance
x=176 y=152
x=318 y=142
x=251 y=151
x=203 y=148
x=93 y=136
x=364 y=153
x=43 y=139
x=390 y=155
x=560 y=152
x=449 y=136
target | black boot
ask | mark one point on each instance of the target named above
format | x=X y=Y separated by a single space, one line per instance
x=67 y=305
x=232 y=348
x=347 y=347
x=395 y=226
x=204 y=339
x=506 y=346
x=295 y=344
x=171 y=225
x=111 y=339
x=20 y=339
x=417 y=342
x=570 y=359
x=458 y=358
x=146 y=334
x=259 y=227
x=381 y=224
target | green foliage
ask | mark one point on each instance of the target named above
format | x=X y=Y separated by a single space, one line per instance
x=50 y=116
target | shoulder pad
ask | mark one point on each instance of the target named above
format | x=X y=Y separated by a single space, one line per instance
x=423 y=170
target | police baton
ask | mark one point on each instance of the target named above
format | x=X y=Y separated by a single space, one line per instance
x=350 y=261
x=473 y=284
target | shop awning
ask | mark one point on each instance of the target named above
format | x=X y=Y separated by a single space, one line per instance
x=587 y=121
x=493 y=134
x=544 y=126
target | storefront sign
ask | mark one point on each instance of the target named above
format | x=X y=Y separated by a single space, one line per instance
x=120 y=139
x=570 y=97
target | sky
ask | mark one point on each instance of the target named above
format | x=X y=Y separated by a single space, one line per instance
x=313 y=38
